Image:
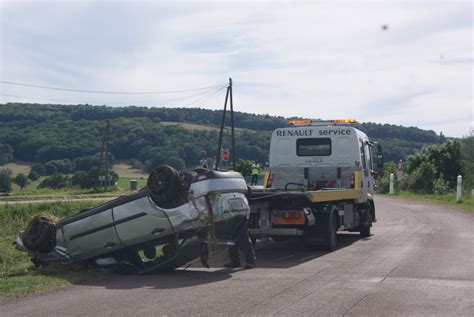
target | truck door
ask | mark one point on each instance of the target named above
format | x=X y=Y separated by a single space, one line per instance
x=364 y=176
x=370 y=166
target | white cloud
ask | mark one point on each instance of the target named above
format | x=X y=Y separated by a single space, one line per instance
x=321 y=59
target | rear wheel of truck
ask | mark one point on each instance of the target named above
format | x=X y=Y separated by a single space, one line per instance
x=331 y=234
x=365 y=232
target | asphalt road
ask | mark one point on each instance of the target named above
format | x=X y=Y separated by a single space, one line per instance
x=419 y=261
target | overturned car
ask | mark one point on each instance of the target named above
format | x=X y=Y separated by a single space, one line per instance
x=165 y=225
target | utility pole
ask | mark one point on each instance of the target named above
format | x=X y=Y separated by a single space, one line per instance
x=107 y=154
x=104 y=149
x=221 y=132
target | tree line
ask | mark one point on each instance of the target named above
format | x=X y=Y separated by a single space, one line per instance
x=67 y=138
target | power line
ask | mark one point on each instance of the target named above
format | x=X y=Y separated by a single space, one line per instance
x=211 y=95
x=108 y=92
x=203 y=95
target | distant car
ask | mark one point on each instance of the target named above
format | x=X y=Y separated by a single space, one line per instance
x=163 y=226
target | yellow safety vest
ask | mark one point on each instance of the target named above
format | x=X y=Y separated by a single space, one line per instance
x=255 y=169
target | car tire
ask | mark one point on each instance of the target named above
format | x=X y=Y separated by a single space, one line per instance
x=40 y=235
x=164 y=184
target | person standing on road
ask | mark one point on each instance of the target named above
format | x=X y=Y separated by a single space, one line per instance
x=255 y=172
x=244 y=244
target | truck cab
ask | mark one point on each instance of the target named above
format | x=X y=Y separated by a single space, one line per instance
x=325 y=145
x=320 y=180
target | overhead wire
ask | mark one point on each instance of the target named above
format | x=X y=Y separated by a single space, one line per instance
x=203 y=95
x=200 y=101
x=107 y=92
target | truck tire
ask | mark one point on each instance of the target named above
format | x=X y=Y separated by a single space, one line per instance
x=331 y=234
x=164 y=184
x=365 y=229
x=365 y=232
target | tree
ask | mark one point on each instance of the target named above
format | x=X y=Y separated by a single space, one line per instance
x=445 y=158
x=21 y=180
x=56 y=181
x=39 y=169
x=467 y=157
x=244 y=167
x=423 y=178
x=6 y=154
x=33 y=176
x=5 y=181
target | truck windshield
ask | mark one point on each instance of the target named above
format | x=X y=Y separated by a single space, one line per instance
x=313 y=147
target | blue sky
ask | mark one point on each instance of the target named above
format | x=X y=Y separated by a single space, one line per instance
x=326 y=59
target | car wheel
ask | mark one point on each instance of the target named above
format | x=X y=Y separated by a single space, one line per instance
x=163 y=184
x=40 y=235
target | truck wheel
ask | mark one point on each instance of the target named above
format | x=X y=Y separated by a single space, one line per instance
x=365 y=232
x=331 y=235
x=163 y=184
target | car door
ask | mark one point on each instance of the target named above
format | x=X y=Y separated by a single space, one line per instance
x=90 y=234
x=139 y=221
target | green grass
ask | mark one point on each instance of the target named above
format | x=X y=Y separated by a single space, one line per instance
x=124 y=183
x=466 y=204
x=18 y=276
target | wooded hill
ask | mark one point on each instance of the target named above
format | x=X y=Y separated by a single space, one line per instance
x=44 y=132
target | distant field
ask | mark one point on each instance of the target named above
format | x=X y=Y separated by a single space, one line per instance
x=18 y=167
x=124 y=183
x=125 y=170
x=191 y=126
x=198 y=127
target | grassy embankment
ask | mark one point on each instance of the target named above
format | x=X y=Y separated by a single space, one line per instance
x=18 y=276
x=467 y=203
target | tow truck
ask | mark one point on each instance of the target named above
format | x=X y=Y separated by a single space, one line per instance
x=320 y=181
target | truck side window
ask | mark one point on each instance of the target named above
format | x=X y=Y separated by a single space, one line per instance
x=371 y=165
x=362 y=154
x=313 y=147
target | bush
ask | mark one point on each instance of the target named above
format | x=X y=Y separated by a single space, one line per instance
x=244 y=167
x=38 y=169
x=422 y=179
x=5 y=181
x=90 y=179
x=33 y=176
x=440 y=186
x=138 y=165
x=50 y=168
x=85 y=163
x=383 y=181
x=21 y=180
x=56 y=181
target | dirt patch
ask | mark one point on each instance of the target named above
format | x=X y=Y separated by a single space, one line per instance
x=126 y=171
x=18 y=167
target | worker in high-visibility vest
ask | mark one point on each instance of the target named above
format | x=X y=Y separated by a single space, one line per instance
x=255 y=172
